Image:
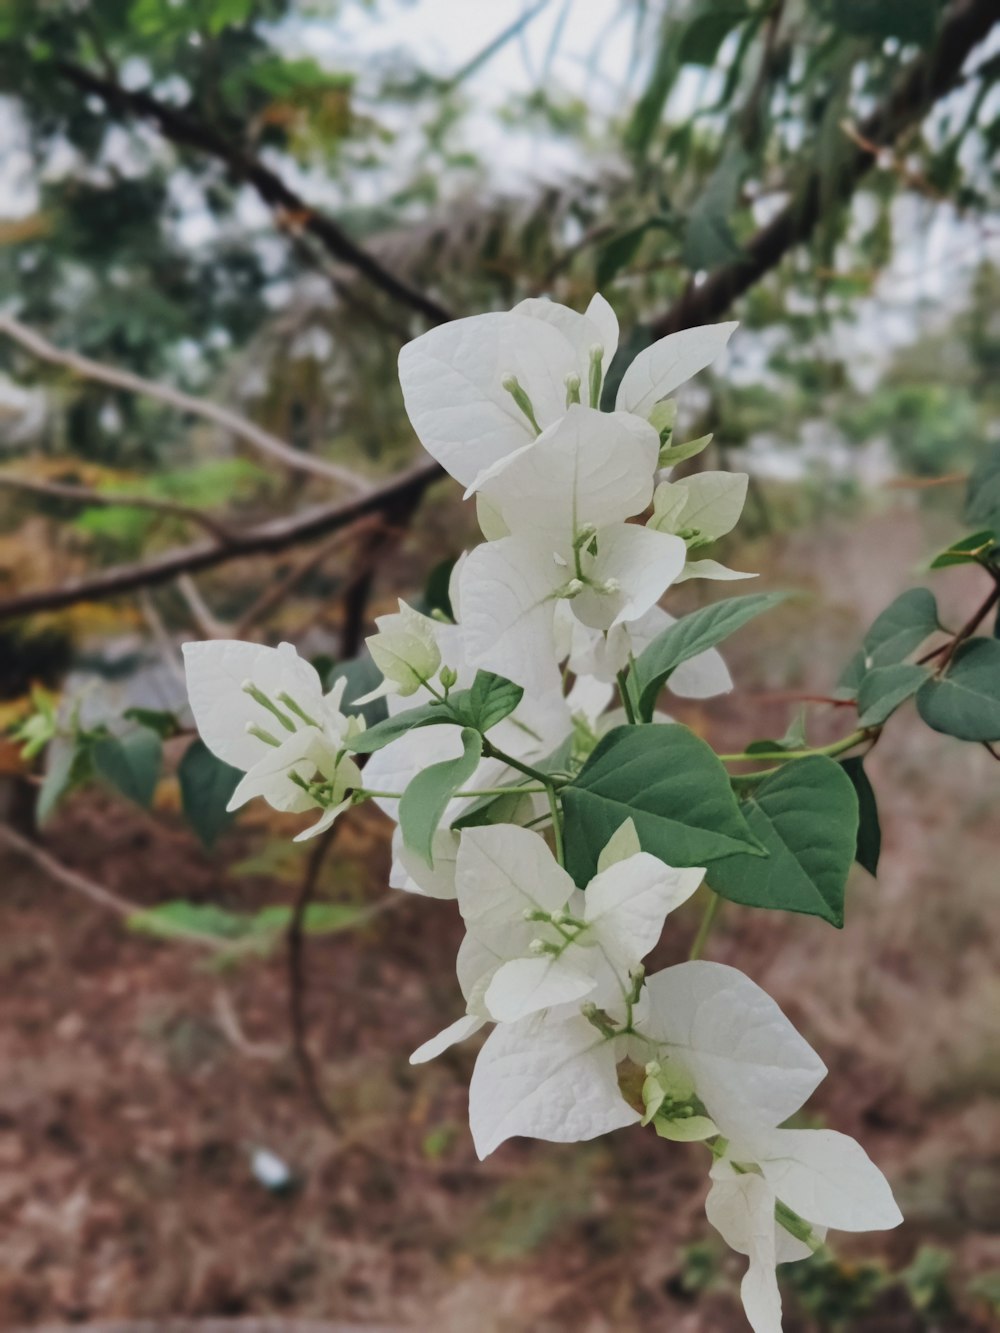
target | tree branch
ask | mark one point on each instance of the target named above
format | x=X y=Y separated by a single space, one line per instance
x=263 y=539
x=925 y=80
x=187 y=131
x=84 y=496
x=261 y=440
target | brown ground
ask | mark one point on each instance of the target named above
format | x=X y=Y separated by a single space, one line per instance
x=138 y=1079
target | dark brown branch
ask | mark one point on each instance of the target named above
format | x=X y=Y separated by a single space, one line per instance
x=187 y=131
x=264 y=539
x=925 y=80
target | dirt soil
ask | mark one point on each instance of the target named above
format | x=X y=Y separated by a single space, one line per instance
x=139 y=1079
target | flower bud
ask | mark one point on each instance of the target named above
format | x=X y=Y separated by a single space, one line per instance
x=405 y=650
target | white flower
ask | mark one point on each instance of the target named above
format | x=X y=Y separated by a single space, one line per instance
x=405 y=650
x=666 y=365
x=564 y=502
x=546 y=1078
x=264 y=710
x=454 y=379
x=776 y=1192
x=745 y=1061
x=537 y=942
x=700 y=509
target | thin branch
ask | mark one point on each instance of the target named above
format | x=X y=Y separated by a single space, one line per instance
x=258 y=438
x=84 y=496
x=278 y=591
x=924 y=81
x=264 y=539
x=187 y=131
x=96 y=893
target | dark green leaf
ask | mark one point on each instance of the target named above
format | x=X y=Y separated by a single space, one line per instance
x=618 y=252
x=437 y=594
x=62 y=763
x=704 y=34
x=869 y=846
x=901 y=628
x=909 y=20
x=966 y=701
x=670 y=783
x=883 y=689
x=691 y=635
x=806 y=815
x=982 y=498
x=423 y=804
x=968 y=551
x=490 y=699
x=708 y=237
x=363 y=676
x=130 y=764
x=206 y=785
x=164 y=724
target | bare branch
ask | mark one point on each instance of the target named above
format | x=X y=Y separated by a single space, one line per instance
x=263 y=539
x=183 y=128
x=84 y=496
x=258 y=438
x=924 y=81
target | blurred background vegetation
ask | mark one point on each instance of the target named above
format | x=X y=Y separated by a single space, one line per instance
x=250 y=205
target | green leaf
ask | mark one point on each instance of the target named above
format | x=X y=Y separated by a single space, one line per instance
x=883 y=689
x=909 y=20
x=670 y=783
x=130 y=764
x=705 y=33
x=391 y=728
x=708 y=237
x=690 y=636
x=869 y=844
x=261 y=930
x=982 y=498
x=965 y=702
x=806 y=815
x=206 y=785
x=363 y=676
x=164 y=724
x=63 y=762
x=968 y=551
x=894 y=635
x=677 y=453
x=490 y=699
x=423 y=804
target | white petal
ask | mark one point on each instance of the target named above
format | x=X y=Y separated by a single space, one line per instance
x=270 y=775
x=622 y=844
x=504 y=870
x=216 y=671
x=451 y=380
x=600 y=314
x=660 y=369
x=507 y=591
x=749 y=1065
x=546 y=1079
x=591 y=467
x=627 y=904
x=829 y=1179
x=597 y=325
x=458 y=1031
x=644 y=563
x=742 y=1211
x=709 y=503
x=322 y=824
x=711 y=569
x=589 y=697
x=525 y=985
x=412 y=874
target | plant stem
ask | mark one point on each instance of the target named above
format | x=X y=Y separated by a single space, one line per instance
x=490 y=751
x=835 y=748
x=707 y=922
x=623 y=690
x=556 y=825
x=484 y=791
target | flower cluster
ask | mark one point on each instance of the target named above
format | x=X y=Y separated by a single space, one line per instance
x=491 y=715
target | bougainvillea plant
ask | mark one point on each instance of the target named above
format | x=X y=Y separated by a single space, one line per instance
x=533 y=779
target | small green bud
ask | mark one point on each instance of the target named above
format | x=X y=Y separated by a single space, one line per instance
x=447 y=676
